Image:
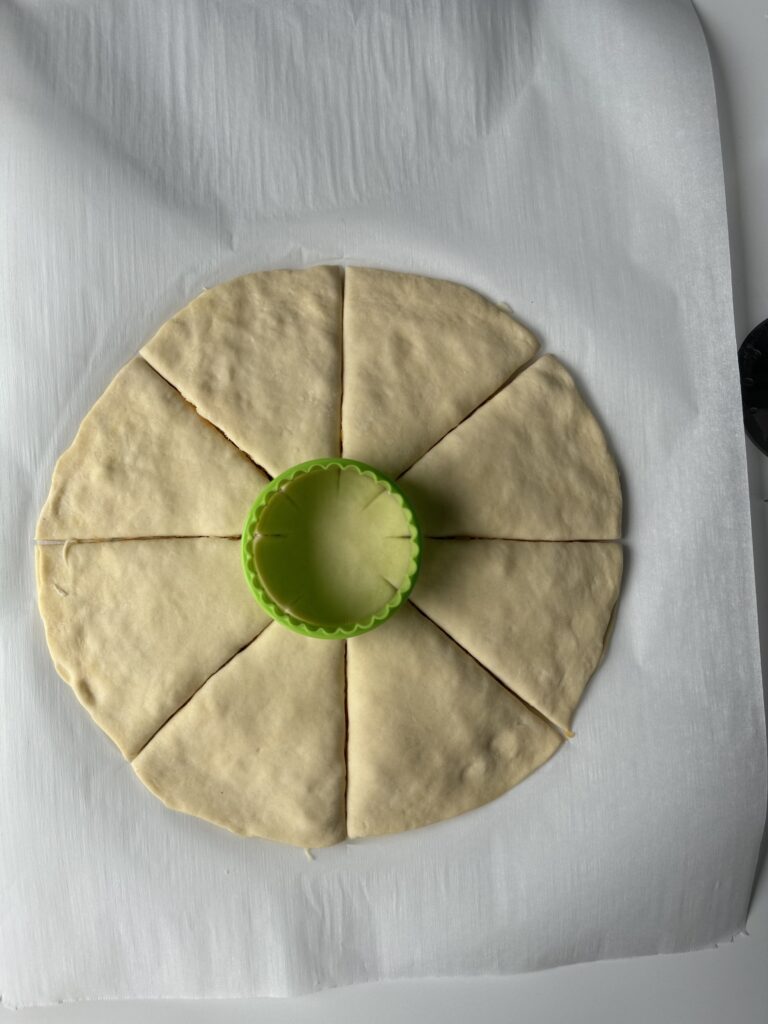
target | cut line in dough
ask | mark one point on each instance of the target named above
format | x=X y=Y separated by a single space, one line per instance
x=476 y=408
x=530 y=463
x=562 y=730
x=421 y=354
x=534 y=613
x=127 y=540
x=208 y=422
x=431 y=734
x=195 y=692
x=519 y=540
x=260 y=748
x=143 y=463
x=142 y=625
x=258 y=356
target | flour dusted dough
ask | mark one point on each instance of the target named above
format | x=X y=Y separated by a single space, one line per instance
x=260 y=357
x=535 y=614
x=419 y=355
x=145 y=464
x=530 y=464
x=135 y=627
x=259 y=748
x=431 y=733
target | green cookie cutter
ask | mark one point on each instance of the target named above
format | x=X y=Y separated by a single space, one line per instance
x=331 y=548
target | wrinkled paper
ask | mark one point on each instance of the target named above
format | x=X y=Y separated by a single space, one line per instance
x=561 y=157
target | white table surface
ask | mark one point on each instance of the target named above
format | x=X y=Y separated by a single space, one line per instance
x=709 y=987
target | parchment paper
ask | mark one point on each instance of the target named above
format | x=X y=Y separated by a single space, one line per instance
x=560 y=156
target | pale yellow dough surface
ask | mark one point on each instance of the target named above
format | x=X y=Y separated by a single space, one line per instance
x=260 y=356
x=420 y=354
x=530 y=464
x=535 y=614
x=135 y=627
x=431 y=733
x=457 y=698
x=259 y=748
x=144 y=464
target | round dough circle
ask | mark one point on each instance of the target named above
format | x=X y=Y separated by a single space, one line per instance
x=464 y=692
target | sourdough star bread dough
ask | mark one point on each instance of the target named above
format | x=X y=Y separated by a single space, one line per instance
x=467 y=689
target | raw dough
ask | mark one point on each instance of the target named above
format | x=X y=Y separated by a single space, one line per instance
x=259 y=748
x=450 y=703
x=144 y=464
x=530 y=464
x=431 y=733
x=135 y=627
x=260 y=356
x=535 y=614
x=419 y=355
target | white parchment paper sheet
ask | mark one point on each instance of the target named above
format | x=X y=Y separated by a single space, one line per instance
x=560 y=156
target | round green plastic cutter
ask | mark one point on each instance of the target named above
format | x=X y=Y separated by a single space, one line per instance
x=331 y=548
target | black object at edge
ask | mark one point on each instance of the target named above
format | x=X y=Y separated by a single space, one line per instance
x=753 y=369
